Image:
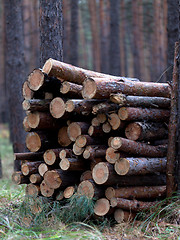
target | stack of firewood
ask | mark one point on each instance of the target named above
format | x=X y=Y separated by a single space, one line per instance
x=95 y=134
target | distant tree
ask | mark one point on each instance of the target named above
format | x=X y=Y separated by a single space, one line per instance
x=114 y=52
x=50 y=30
x=172 y=31
x=14 y=71
x=74 y=33
x=66 y=29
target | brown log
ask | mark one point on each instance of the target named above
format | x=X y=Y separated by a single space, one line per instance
x=42 y=120
x=80 y=106
x=136 y=114
x=99 y=88
x=104 y=173
x=77 y=150
x=76 y=129
x=121 y=215
x=95 y=161
x=104 y=107
x=106 y=127
x=51 y=156
x=29 y=156
x=84 y=140
x=94 y=151
x=40 y=105
x=145 y=131
x=60 y=195
x=139 y=166
x=43 y=168
x=69 y=191
x=57 y=107
x=101 y=117
x=26 y=91
x=95 y=122
x=140 y=101
x=57 y=178
x=95 y=131
x=26 y=126
x=87 y=175
x=133 y=205
x=72 y=90
x=35 y=178
x=101 y=207
x=38 y=80
x=29 y=168
x=112 y=155
x=73 y=74
x=39 y=141
x=172 y=154
x=114 y=121
x=89 y=189
x=137 y=148
x=46 y=191
x=32 y=190
x=63 y=138
x=72 y=164
x=19 y=178
x=137 y=192
x=66 y=153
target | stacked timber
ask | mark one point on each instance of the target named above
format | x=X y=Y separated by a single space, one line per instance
x=96 y=135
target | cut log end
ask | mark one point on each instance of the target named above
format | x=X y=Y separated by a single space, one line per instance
x=110 y=193
x=116 y=142
x=101 y=207
x=26 y=126
x=122 y=166
x=74 y=130
x=114 y=121
x=64 y=164
x=100 y=173
x=89 y=89
x=86 y=188
x=42 y=169
x=123 y=113
x=70 y=106
x=57 y=107
x=63 y=138
x=32 y=190
x=69 y=191
x=46 y=191
x=87 y=175
x=49 y=157
x=133 y=131
x=65 y=87
x=81 y=141
x=27 y=92
x=77 y=150
x=36 y=79
x=47 y=66
x=52 y=179
x=33 y=142
x=106 y=127
x=60 y=195
x=111 y=155
x=121 y=215
x=33 y=119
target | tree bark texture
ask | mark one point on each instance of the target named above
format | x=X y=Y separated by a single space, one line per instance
x=50 y=30
x=74 y=33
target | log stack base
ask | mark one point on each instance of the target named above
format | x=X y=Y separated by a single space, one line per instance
x=95 y=135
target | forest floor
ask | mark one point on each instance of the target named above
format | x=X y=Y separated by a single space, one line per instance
x=162 y=223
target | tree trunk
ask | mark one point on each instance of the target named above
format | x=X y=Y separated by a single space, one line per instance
x=14 y=71
x=50 y=30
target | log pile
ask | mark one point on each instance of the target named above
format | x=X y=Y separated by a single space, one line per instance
x=98 y=135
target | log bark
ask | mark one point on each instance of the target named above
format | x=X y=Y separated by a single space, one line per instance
x=29 y=168
x=71 y=73
x=69 y=191
x=72 y=164
x=80 y=106
x=140 y=101
x=57 y=178
x=40 y=105
x=132 y=205
x=57 y=107
x=121 y=215
x=51 y=156
x=89 y=189
x=35 y=178
x=32 y=190
x=94 y=151
x=172 y=128
x=99 y=88
x=87 y=175
x=46 y=191
x=135 y=114
x=76 y=129
x=63 y=138
x=137 y=148
x=84 y=140
x=136 y=192
x=101 y=207
x=19 y=178
x=104 y=173
x=71 y=90
x=104 y=107
x=139 y=131
x=139 y=166
x=42 y=120
x=29 y=156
